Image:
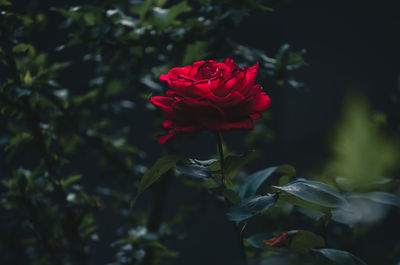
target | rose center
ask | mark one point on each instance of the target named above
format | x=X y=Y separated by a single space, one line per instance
x=207 y=71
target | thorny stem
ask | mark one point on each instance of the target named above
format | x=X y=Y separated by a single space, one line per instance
x=239 y=231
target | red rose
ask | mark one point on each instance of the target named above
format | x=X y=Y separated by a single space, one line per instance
x=210 y=96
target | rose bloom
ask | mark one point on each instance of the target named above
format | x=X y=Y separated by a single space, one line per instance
x=210 y=96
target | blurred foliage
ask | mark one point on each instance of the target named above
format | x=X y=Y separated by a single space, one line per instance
x=74 y=84
x=364 y=154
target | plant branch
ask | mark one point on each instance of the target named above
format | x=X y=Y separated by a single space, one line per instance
x=239 y=231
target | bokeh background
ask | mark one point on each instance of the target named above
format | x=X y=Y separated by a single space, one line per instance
x=332 y=72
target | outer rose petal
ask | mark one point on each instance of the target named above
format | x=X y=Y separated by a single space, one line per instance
x=230 y=63
x=163 y=103
x=187 y=71
x=176 y=132
x=164 y=78
x=255 y=116
x=259 y=103
x=250 y=79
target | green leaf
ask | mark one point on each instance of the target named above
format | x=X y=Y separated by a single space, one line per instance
x=250 y=207
x=114 y=87
x=314 y=192
x=232 y=163
x=352 y=215
x=258 y=6
x=18 y=139
x=195 y=52
x=89 y=18
x=304 y=240
x=340 y=257
x=380 y=197
x=156 y=171
x=71 y=179
x=313 y=214
x=257 y=240
x=5 y=3
x=159 y=168
x=27 y=78
x=22 y=47
x=346 y=216
x=255 y=180
x=196 y=169
x=87 y=96
x=228 y=194
x=176 y=10
x=143 y=9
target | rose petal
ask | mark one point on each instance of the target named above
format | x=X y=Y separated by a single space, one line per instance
x=162 y=102
x=230 y=63
x=230 y=100
x=176 y=132
x=164 y=78
x=258 y=103
x=249 y=79
x=255 y=116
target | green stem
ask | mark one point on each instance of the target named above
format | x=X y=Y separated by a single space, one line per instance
x=239 y=231
x=221 y=157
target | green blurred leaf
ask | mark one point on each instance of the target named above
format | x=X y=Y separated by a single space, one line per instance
x=195 y=52
x=175 y=11
x=5 y=3
x=258 y=6
x=380 y=197
x=304 y=240
x=143 y=9
x=250 y=207
x=314 y=192
x=89 y=18
x=257 y=240
x=18 y=139
x=27 y=78
x=114 y=87
x=311 y=213
x=78 y=100
x=340 y=257
x=22 y=47
x=233 y=162
x=71 y=179
x=228 y=194
x=364 y=153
